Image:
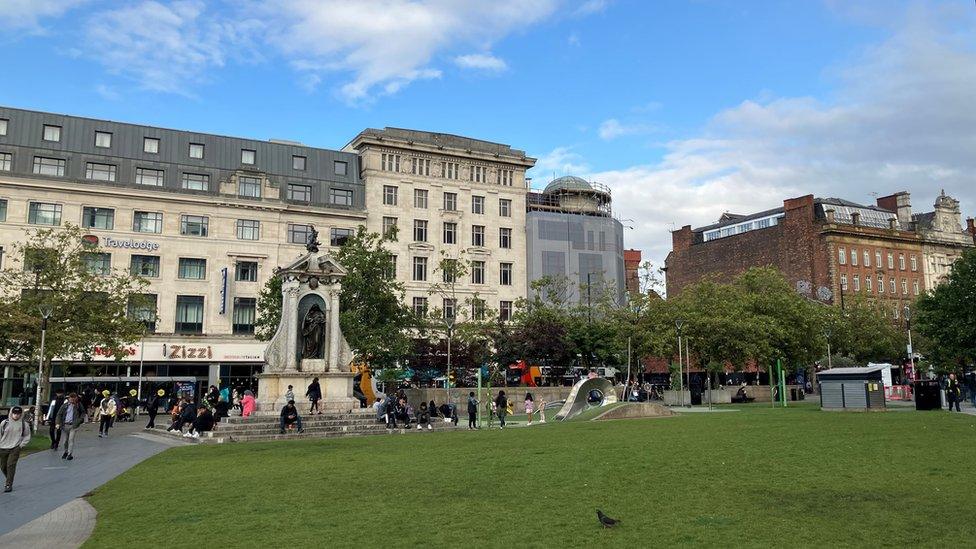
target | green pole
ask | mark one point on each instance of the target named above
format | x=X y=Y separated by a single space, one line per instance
x=782 y=382
x=479 y=397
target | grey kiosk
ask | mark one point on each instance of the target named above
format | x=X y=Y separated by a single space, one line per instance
x=852 y=389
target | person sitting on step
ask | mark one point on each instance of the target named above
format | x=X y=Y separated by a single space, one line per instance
x=289 y=416
x=423 y=417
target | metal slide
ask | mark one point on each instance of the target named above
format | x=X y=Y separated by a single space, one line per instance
x=586 y=394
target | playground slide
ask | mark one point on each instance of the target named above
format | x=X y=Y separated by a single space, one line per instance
x=586 y=394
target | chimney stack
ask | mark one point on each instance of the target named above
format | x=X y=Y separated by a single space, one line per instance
x=830 y=215
x=893 y=224
x=900 y=204
x=856 y=218
x=971 y=227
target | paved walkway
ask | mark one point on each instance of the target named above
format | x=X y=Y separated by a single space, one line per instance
x=45 y=482
x=67 y=526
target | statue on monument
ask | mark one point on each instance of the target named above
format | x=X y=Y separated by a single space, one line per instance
x=313 y=240
x=313 y=333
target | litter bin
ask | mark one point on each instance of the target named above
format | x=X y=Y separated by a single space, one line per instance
x=927 y=395
x=793 y=394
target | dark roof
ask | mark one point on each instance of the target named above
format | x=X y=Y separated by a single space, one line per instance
x=849 y=204
x=924 y=219
x=446 y=140
x=724 y=220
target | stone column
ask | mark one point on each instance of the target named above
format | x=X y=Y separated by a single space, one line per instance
x=334 y=329
x=289 y=312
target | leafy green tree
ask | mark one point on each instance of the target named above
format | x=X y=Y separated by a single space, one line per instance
x=91 y=306
x=268 y=309
x=946 y=317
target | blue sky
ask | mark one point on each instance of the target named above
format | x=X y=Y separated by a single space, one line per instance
x=685 y=108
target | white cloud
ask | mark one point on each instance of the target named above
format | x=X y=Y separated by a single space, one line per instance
x=901 y=118
x=613 y=128
x=26 y=15
x=589 y=7
x=557 y=162
x=482 y=61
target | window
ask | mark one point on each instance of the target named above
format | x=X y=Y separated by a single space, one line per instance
x=891 y=261
x=145 y=176
x=505 y=274
x=98 y=264
x=249 y=187
x=142 y=308
x=420 y=269
x=298 y=234
x=914 y=263
x=904 y=286
x=248 y=156
x=868 y=283
x=478 y=204
x=338 y=237
x=196 y=181
x=150 y=145
x=881 y=286
x=915 y=287
x=39 y=259
x=505 y=238
x=389 y=195
x=341 y=168
x=479 y=174
x=506 y=177
x=340 y=197
x=390 y=162
x=450 y=202
x=248 y=229
x=478 y=309
x=867 y=258
x=100 y=172
x=842 y=256
x=196 y=150
x=3 y=126
x=193 y=268
x=854 y=257
x=843 y=282
x=49 y=166
x=477 y=272
x=147 y=222
x=6 y=162
x=420 y=306
x=857 y=283
x=246 y=271
x=98 y=218
x=189 y=314
x=504 y=207
x=421 y=166
x=901 y=261
x=300 y=193
x=891 y=285
x=896 y=312
x=450 y=308
x=389 y=273
x=194 y=225
x=40 y=213
x=477 y=235
x=450 y=170
x=245 y=311
x=450 y=233
x=52 y=133
x=420 y=198
x=877 y=258
x=103 y=140
x=144 y=265
x=390 y=227
x=449 y=269
x=504 y=311
x=298 y=163
x=419 y=230
x=3 y=213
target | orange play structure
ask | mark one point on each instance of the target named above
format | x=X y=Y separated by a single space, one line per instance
x=366 y=384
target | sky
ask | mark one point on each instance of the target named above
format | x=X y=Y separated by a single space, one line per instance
x=686 y=109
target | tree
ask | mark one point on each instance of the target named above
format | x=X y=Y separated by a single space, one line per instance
x=91 y=305
x=268 y=309
x=946 y=316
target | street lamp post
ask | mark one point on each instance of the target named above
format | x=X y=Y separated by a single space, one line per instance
x=826 y=333
x=142 y=352
x=681 y=381
x=45 y=309
x=911 y=350
x=450 y=335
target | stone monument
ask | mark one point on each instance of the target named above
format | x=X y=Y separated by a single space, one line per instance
x=309 y=343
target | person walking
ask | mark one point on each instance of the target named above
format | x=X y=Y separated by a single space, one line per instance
x=529 y=406
x=501 y=406
x=952 y=392
x=314 y=394
x=152 y=407
x=472 y=412
x=15 y=433
x=52 y=412
x=69 y=417
x=106 y=413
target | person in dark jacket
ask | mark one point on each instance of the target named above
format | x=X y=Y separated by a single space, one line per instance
x=213 y=395
x=472 y=411
x=423 y=417
x=501 y=403
x=289 y=416
x=152 y=407
x=314 y=394
x=52 y=412
x=69 y=418
x=222 y=409
x=203 y=422
x=952 y=392
x=391 y=412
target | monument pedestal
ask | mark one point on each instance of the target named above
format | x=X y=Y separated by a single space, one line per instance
x=336 y=391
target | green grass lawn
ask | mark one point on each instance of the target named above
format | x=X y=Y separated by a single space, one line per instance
x=757 y=477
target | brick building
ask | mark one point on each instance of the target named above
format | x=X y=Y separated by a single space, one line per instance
x=632 y=259
x=828 y=248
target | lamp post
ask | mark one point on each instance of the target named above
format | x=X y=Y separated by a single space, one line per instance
x=911 y=350
x=681 y=381
x=142 y=352
x=449 y=321
x=45 y=309
x=826 y=333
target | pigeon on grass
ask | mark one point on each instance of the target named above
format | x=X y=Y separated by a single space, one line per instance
x=606 y=521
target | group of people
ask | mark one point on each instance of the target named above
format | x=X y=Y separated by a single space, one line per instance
x=396 y=409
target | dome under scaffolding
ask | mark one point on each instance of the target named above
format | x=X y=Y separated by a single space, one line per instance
x=573 y=194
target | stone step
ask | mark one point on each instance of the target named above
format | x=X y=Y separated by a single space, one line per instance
x=306 y=424
x=219 y=438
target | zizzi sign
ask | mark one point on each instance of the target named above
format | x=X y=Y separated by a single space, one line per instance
x=129 y=243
